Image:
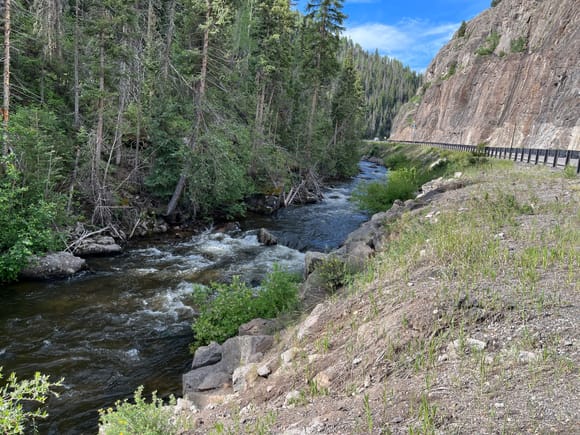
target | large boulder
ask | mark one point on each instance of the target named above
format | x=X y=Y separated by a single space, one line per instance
x=97 y=245
x=235 y=352
x=312 y=260
x=207 y=355
x=265 y=237
x=52 y=265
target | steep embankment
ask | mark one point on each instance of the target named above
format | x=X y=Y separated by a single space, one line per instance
x=465 y=321
x=510 y=79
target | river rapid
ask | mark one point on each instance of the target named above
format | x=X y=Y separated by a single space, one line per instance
x=127 y=321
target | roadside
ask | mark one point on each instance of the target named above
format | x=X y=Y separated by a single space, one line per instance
x=466 y=321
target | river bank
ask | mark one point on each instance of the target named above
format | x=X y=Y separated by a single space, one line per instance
x=126 y=320
x=472 y=299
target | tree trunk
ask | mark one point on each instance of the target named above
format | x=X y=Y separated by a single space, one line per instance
x=199 y=98
x=310 y=129
x=169 y=40
x=77 y=116
x=100 y=117
x=6 y=78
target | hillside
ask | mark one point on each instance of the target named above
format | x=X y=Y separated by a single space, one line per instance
x=465 y=321
x=510 y=77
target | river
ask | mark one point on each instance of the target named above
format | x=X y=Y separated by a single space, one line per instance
x=127 y=321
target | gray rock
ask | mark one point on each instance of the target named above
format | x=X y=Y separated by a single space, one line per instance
x=215 y=380
x=244 y=377
x=312 y=260
x=264 y=371
x=259 y=327
x=265 y=237
x=97 y=245
x=312 y=323
x=207 y=355
x=53 y=265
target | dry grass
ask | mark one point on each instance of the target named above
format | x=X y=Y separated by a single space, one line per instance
x=495 y=264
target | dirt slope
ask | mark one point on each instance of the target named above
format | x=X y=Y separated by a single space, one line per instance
x=467 y=322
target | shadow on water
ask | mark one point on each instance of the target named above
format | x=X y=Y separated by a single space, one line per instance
x=128 y=321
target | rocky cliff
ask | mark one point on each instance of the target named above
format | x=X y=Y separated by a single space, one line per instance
x=510 y=77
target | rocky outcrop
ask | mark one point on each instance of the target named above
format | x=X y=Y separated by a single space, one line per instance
x=97 y=245
x=512 y=79
x=265 y=237
x=217 y=370
x=51 y=266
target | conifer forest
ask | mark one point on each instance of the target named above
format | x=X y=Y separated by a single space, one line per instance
x=115 y=111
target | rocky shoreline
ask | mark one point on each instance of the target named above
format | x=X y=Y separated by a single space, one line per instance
x=219 y=371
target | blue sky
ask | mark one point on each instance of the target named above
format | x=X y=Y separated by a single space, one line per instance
x=411 y=31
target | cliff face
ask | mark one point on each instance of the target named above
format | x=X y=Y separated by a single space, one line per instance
x=525 y=92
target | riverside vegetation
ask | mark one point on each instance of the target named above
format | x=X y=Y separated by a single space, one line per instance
x=473 y=299
x=116 y=112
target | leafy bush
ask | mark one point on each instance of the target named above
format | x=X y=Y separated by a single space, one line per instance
x=334 y=273
x=27 y=222
x=491 y=43
x=13 y=416
x=494 y=3
x=141 y=417
x=519 y=45
x=397 y=161
x=378 y=196
x=224 y=307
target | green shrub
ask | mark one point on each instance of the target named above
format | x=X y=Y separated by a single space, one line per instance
x=397 y=161
x=334 y=273
x=14 y=393
x=379 y=196
x=494 y=3
x=27 y=221
x=491 y=43
x=462 y=29
x=224 y=307
x=519 y=45
x=569 y=171
x=141 y=417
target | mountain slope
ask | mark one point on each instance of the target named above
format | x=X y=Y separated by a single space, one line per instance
x=511 y=79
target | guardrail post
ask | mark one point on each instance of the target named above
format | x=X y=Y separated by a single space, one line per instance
x=515 y=155
x=529 y=155
x=522 y=155
x=578 y=164
x=545 y=155
x=555 y=162
x=568 y=154
x=537 y=156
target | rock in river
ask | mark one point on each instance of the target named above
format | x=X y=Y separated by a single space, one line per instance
x=52 y=265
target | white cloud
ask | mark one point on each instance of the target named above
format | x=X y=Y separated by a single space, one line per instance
x=413 y=42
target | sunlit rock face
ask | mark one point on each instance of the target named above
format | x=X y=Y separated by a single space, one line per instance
x=524 y=93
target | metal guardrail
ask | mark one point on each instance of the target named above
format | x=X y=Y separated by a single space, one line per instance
x=537 y=156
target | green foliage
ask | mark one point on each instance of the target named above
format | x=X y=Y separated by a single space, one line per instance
x=141 y=418
x=397 y=161
x=491 y=43
x=334 y=273
x=378 y=196
x=569 y=172
x=519 y=45
x=494 y=3
x=387 y=85
x=462 y=29
x=15 y=398
x=224 y=307
x=451 y=71
x=26 y=222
